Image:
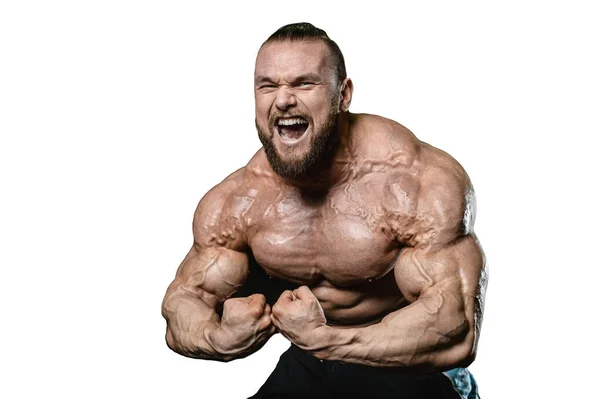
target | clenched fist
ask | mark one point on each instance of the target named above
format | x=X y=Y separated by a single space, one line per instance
x=245 y=326
x=298 y=315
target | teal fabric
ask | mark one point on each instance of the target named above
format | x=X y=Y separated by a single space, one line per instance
x=463 y=382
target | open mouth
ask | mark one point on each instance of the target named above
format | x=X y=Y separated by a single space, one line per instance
x=291 y=129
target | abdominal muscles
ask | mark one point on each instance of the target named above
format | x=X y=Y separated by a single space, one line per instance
x=364 y=304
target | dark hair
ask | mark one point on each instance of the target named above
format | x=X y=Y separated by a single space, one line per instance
x=303 y=31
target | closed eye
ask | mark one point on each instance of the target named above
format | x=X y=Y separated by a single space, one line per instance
x=267 y=87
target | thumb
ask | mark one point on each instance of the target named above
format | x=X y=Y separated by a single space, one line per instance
x=286 y=296
x=257 y=298
x=304 y=293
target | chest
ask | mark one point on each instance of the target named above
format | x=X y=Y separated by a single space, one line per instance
x=340 y=239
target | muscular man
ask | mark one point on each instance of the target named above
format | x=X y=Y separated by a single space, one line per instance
x=369 y=228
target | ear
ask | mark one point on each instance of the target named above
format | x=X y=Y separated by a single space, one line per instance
x=346 y=95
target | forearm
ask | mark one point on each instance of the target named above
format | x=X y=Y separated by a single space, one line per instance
x=195 y=330
x=431 y=334
x=190 y=324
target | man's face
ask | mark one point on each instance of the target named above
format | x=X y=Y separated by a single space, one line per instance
x=297 y=102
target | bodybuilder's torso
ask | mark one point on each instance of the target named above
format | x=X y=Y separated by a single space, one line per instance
x=339 y=243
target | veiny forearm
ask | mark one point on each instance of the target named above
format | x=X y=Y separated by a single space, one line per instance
x=431 y=334
x=190 y=322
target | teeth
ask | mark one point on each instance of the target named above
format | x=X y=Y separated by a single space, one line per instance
x=290 y=122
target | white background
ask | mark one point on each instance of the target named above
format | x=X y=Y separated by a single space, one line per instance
x=117 y=116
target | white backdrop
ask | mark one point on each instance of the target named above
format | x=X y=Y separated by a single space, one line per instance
x=117 y=116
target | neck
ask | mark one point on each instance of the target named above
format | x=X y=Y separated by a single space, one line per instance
x=333 y=170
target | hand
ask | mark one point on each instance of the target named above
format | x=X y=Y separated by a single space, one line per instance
x=245 y=326
x=298 y=315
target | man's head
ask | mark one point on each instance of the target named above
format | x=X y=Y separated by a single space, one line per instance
x=300 y=89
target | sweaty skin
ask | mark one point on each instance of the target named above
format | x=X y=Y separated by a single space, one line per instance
x=380 y=245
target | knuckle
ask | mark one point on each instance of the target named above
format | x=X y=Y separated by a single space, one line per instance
x=257 y=300
x=264 y=323
x=256 y=310
x=286 y=293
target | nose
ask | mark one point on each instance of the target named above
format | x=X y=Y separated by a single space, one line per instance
x=285 y=98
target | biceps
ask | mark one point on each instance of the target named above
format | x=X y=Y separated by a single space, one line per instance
x=456 y=268
x=213 y=274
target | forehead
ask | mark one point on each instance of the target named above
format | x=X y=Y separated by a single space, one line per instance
x=293 y=58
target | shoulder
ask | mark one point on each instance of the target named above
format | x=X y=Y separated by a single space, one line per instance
x=221 y=218
x=446 y=198
x=431 y=200
x=213 y=210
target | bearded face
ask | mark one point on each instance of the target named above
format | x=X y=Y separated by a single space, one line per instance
x=293 y=164
x=297 y=105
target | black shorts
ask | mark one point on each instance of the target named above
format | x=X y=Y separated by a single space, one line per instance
x=300 y=375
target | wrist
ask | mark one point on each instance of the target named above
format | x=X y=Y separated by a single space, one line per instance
x=321 y=342
x=218 y=341
x=334 y=342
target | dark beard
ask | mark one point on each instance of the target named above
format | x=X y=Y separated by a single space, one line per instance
x=319 y=157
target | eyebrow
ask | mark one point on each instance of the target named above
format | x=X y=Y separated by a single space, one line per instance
x=263 y=79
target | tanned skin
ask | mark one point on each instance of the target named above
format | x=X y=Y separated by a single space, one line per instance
x=379 y=239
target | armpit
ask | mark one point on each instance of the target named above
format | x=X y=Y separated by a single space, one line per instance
x=410 y=230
